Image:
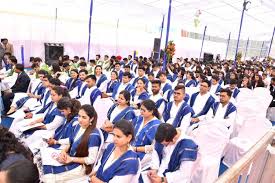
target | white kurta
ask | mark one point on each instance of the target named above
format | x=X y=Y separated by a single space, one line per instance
x=183 y=174
x=155 y=98
x=200 y=103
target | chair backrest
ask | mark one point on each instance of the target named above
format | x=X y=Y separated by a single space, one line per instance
x=211 y=138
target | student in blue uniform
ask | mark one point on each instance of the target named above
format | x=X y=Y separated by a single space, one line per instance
x=120 y=110
x=111 y=85
x=173 y=157
x=145 y=127
x=190 y=80
x=101 y=79
x=69 y=108
x=73 y=81
x=124 y=85
x=119 y=163
x=79 y=91
x=140 y=93
x=141 y=75
x=78 y=157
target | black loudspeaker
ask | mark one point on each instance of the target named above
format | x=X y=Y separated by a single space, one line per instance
x=208 y=57
x=53 y=51
x=156 y=45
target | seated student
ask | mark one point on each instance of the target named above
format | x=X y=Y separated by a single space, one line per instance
x=157 y=97
x=173 y=157
x=124 y=85
x=92 y=66
x=119 y=163
x=21 y=85
x=165 y=83
x=150 y=78
x=20 y=171
x=178 y=112
x=215 y=86
x=80 y=155
x=83 y=66
x=69 y=108
x=190 y=80
x=111 y=85
x=156 y=70
x=101 y=79
x=145 y=127
x=120 y=110
x=79 y=91
x=258 y=81
x=127 y=68
x=134 y=66
x=73 y=81
x=36 y=90
x=119 y=71
x=140 y=93
x=92 y=93
x=141 y=75
x=12 y=150
x=201 y=102
x=223 y=111
x=49 y=115
x=233 y=87
x=245 y=82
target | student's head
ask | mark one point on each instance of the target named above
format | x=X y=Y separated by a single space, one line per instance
x=66 y=66
x=41 y=74
x=155 y=67
x=74 y=73
x=124 y=98
x=127 y=68
x=83 y=74
x=98 y=70
x=87 y=118
x=225 y=95
x=69 y=107
x=233 y=84
x=204 y=86
x=20 y=172
x=162 y=77
x=126 y=78
x=10 y=144
x=141 y=83
x=215 y=79
x=90 y=81
x=92 y=62
x=76 y=59
x=141 y=71
x=58 y=92
x=54 y=82
x=114 y=75
x=19 y=68
x=156 y=86
x=190 y=75
x=130 y=57
x=149 y=109
x=273 y=81
x=117 y=66
x=179 y=93
x=82 y=65
x=166 y=134
x=82 y=59
x=46 y=80
x=123 y=133
x=151 y=77
x=106 y=57
x=97 y=57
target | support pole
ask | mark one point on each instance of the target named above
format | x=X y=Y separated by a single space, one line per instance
x=227 y=47
x=90 y=28
x=246 y=47
x=270 y=46
x=203 y=38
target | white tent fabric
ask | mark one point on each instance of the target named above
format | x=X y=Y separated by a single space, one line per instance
x=122 y=26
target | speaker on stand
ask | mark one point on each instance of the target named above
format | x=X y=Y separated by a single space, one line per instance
x=53 y=51
x=208 y=58
x=156 y=49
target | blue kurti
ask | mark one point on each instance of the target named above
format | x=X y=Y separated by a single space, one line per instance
x=94 y=141
x=126 y=164
x=146 y=135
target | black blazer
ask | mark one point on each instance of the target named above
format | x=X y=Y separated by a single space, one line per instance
x=272 y=92
x=21 y=84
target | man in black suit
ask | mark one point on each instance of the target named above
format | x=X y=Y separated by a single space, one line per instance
x=271 y=109
x=21 y=85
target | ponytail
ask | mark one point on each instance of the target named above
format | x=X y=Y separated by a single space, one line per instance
x=151 y=106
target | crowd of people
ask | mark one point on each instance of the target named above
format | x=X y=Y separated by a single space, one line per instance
x=50 y=127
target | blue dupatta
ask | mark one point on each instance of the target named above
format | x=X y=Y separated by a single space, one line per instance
x=210 y=101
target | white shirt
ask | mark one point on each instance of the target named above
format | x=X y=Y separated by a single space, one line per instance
x=182 y=175
x=155 y=98
x=103 y=85
x=85 y=99
x=213 y=88
x=185 y=122
x=200 y=103
x=115 y=112
x=74 y=92
x=121 y=87
x=219 y=116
